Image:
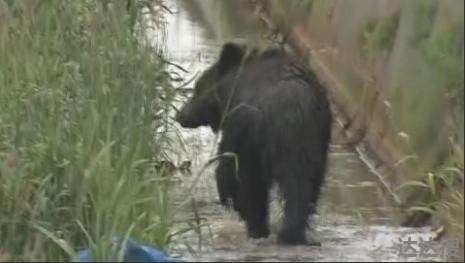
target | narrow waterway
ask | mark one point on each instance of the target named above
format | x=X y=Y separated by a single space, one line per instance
x=354 y=220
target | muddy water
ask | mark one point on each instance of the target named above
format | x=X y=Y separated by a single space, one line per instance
x=354 y=221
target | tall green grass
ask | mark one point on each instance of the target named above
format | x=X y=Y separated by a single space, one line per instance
x=81 y=99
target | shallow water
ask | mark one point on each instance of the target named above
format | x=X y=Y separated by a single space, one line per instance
x=354 y=221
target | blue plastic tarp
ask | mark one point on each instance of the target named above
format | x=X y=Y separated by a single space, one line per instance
x=134 y=252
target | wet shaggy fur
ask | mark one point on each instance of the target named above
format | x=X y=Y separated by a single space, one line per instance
x=275 y=117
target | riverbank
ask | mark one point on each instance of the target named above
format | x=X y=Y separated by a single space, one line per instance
x=421 y=182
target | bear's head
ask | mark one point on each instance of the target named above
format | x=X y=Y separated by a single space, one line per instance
x=205 y=107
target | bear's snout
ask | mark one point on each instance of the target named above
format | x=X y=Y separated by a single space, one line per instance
x=182 y=119
x=185 y=118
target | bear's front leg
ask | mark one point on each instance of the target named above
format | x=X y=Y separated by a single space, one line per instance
x=226 y=174
x=227 y=183
x=254 y=203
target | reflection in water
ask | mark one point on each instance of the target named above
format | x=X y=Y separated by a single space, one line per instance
x=354 y=220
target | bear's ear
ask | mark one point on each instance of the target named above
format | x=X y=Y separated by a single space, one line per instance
x=230 y=57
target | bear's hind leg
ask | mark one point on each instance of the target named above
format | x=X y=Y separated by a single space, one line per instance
x=300 y=196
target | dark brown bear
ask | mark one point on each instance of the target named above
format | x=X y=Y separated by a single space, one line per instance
x=275 y=117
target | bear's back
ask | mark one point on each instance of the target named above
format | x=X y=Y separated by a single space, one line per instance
x=273 y=81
